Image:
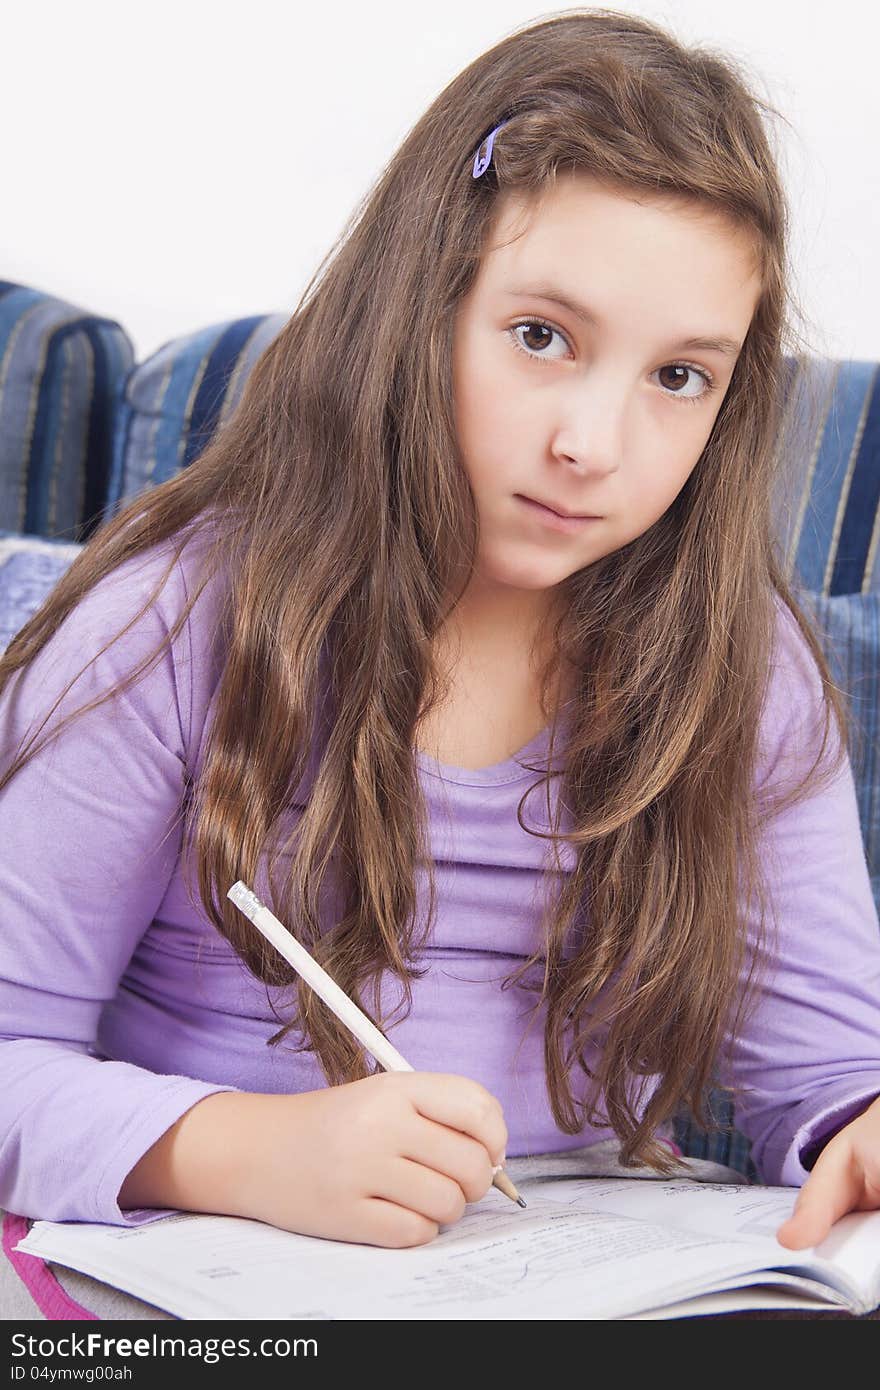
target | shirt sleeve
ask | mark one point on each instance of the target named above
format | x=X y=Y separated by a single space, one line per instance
x=808 y=1059
x=91 y=831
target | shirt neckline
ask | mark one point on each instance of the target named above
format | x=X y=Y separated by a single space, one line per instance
x=498 y=774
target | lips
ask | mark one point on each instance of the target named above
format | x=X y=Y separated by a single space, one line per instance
x=571 y=516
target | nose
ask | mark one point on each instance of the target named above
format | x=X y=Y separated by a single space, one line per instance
x=590 y=427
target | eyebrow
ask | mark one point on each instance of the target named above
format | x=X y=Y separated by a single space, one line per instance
x=728 y=346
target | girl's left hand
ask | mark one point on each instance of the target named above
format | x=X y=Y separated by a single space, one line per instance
x=846 y=1177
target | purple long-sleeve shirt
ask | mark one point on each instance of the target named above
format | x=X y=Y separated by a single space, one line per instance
x=121 y=1006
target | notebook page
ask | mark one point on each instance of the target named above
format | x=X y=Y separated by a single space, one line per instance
x=540 y=1263
x=849 y=1257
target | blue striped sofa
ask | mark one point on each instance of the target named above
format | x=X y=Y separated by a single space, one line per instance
x=84 y=427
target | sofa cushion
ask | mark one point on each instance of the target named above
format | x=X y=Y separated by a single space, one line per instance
x=172 y=403
x=30 y=567
x=827 y=502
x=849 y=633
x=62 y=369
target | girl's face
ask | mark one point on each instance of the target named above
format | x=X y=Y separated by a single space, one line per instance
x=600 y=405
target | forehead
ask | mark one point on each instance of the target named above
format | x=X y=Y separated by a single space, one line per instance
x=592 y=233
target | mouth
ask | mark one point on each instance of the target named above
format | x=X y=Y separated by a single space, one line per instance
x=559 y=521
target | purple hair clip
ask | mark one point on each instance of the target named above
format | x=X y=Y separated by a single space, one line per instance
x=481 y=164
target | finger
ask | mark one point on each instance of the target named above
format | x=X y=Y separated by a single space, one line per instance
x=450 y=1153
x=395 y=1228
x=832 y=1189
x=423 y=1190
x=463 y=1105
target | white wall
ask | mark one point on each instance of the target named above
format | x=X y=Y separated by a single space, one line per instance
x=180 y=162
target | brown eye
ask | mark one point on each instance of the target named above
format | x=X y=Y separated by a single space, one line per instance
x=672 y=380
x=538 y=331
x=679 y=377
x=537 y=336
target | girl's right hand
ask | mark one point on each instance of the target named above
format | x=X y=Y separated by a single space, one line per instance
x=381 y=1161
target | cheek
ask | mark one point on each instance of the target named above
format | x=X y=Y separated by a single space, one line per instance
x=660 y=482
x=485 y=380
x=486 y=425
x=467 y=410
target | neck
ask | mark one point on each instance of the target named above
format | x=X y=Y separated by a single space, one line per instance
x=496 y=638
x=498 y=623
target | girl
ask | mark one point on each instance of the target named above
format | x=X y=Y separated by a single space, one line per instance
x=495 y=503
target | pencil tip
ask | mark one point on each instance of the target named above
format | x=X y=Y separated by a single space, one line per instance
x=520 y=1202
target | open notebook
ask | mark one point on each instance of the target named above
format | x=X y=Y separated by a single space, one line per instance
x=587 y=1246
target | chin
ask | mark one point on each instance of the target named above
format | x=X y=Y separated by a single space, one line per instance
x=525 y=577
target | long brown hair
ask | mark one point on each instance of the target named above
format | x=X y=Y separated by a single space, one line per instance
x=341 y=518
